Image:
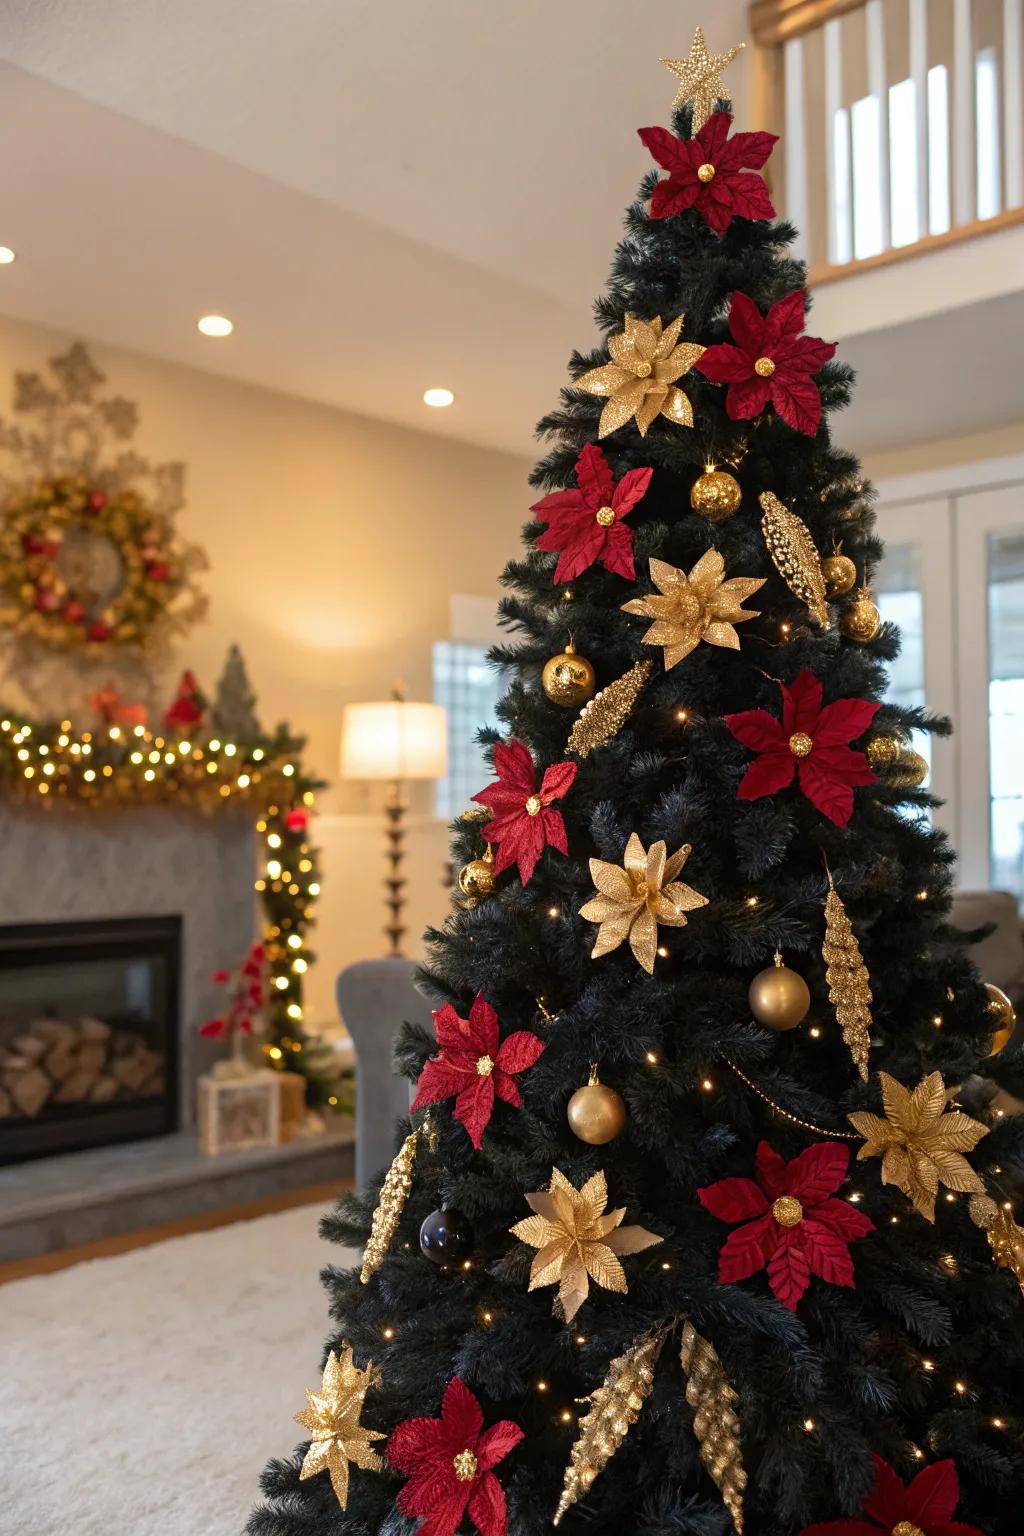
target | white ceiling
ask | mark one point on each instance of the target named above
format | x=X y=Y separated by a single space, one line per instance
x=382 y=196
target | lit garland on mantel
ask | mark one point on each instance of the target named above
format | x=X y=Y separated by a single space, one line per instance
x=118 y=767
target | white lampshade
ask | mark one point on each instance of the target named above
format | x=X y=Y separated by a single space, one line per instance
x=394 y=740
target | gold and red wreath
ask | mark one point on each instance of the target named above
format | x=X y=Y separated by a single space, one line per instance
x=81 y=567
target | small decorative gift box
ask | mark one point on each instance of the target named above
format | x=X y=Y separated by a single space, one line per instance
x=238 y=1110
x=293 y=1103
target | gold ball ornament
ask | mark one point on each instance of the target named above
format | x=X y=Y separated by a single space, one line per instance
x=1003 y=1015
x=779 y=997
x=596 y=1113
x=840 y=575
x=715 y=495
x=568 y=679
x=883 y=750
x=861 y=621
x=476 y=879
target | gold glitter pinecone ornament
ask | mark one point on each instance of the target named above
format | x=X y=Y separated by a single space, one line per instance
x=608 y=710
x=715 y=1421
x=794 y=555
x=861 y=620
x=391 y=1203
x=779 y=997
x=849 y=986
x=568 y=679
x=840 y=574
x=614 y=1409
x=716 y=495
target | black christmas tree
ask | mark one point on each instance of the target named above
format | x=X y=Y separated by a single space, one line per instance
x=689 y=1231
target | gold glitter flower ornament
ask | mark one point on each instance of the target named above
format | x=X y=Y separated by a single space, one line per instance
x=632 y=899
x=920 y=1142
x=690 y=608
x=578 y=1241
x=640 y=380
x=332 y=1418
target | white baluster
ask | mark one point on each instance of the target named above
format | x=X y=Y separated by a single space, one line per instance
x=918 y=24
x=874 y=18
x=796 y=144
x=837 y=138
x=1013 y=102
x=965 y=131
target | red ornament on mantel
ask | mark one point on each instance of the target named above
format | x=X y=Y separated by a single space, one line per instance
x=297 y=820
x=524 y=823
x=188 y=707
x=475 y=1065
x=926 y=1506
x=711 y=172
x=793 y=1227
x=97 y=501
x=450 y=1464
x=98 y=632
x=810 y=743
x=769 y=362
x=586 y=525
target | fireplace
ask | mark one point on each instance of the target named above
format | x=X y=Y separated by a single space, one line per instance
x=89 y=1022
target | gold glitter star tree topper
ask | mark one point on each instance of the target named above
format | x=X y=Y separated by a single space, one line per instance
x=700 y=78
x=332 y=1417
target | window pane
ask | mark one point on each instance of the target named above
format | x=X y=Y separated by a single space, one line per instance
x=469 y=689
x=900 y=601
x=986 y=98
x=938 y=150
x=867 y=181
x=1006 y=707
x=903 y=167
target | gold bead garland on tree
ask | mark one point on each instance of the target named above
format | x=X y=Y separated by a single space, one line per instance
x=390 y=1205
x=608 y=710
x=1005 y=1237
x=716 y=494
x=861 y=620
x=779 y=997
x=716 y=1424
x=849 y=986
x=568 y=679
x=794 y=556
x=614 y=1409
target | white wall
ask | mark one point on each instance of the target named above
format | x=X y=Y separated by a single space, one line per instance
x=334 y=543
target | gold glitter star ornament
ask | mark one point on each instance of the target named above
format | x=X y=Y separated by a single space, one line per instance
x=633 y=898
x=687 y=609
x=700 y=78
x=578 y=1241
x=332 y=1417
x=640 y=380
x=921 y=1142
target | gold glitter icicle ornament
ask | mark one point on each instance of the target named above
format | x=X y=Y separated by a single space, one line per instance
x=596 y=1113
x=794 y=555
x=476 y=879
x=840 y=574
x=779 y=997
x=861 y=620
x=700 y=78
x=1005 y=1237
x=332 y=1417
x=614 y=1409
x=393 y=1194
x=849 y=986
x=640 y=380
x=716 y=495
x=608 y=710
x=715 y=1421
x=920 y=1142
x=568 y=679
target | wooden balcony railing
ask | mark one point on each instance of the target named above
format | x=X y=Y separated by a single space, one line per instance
x=902 y=122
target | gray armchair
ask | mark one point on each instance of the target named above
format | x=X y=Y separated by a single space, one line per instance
x=374 y=998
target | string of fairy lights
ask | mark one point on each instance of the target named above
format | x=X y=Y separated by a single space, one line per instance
x=119 y=766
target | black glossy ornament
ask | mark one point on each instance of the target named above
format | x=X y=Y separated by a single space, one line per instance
x=446 y=1237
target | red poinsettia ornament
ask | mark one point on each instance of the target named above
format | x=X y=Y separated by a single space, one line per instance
x=524 y=823
x=792 y=1225
x=475 y=1065
x=450 y=1462
x=925 y=1508
x=810 y=743
x=769 y=362
x=708 y=172
x=586 y=525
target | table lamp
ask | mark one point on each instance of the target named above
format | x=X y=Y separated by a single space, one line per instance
x=399 y=741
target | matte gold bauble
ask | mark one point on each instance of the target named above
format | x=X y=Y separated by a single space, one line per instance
x=715 y=495
x=861 y=621
x=840 y=575
x=1003 y=1015
x=568 y=679
x=779 y=997
x=476 y=879
x=596 y=1113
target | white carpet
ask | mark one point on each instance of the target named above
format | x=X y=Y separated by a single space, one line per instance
x=141 y=1395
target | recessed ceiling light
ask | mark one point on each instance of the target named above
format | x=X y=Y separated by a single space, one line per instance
x=438 y=397
x=6 y=255
x=215 y=325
